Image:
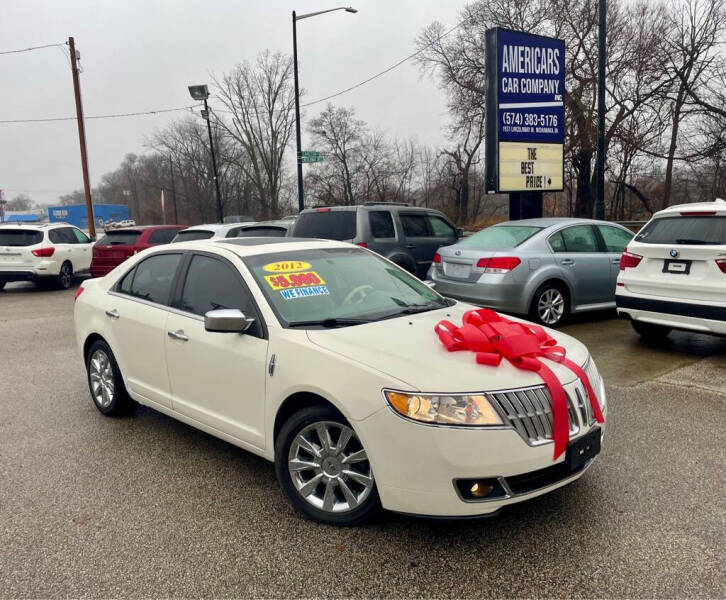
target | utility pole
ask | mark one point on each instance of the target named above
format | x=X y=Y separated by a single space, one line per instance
x=82 y=137
x=220 y=217
x=173 y=191
x=600 y=175
x=300 y=192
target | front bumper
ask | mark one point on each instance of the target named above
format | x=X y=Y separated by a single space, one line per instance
x=690 y=316
x=416 y=466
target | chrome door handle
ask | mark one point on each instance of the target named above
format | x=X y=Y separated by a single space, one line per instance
x=567 y=262
x=616 y=261
x=178 y=335
x=113 y=314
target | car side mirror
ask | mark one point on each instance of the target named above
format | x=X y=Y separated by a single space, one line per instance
x=227 y=320
x=459 y=232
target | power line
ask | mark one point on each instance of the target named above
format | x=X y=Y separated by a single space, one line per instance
x=111 y=116
x=388 y=70
x=31 y=48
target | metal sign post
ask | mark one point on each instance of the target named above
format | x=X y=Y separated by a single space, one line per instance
x=525 y=118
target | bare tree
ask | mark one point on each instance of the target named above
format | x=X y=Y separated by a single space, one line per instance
x=260 y=99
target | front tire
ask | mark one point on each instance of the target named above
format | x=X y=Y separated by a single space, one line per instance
x=105 y=382
x=65 y=277
x=323 y=468
x=550 y=305
x=650 y=331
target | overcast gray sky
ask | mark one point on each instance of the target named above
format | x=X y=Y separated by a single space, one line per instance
x=140 y=55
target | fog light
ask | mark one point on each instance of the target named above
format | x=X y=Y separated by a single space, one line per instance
x=481 y=490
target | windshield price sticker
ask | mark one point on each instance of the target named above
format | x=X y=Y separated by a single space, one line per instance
x=286 y=281
x=305 y=292
x=286 y=266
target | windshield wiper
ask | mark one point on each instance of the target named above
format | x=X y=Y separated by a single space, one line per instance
x=330 y=323
x=413 y=309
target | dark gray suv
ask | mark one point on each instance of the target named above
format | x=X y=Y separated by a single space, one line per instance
x=407 y=235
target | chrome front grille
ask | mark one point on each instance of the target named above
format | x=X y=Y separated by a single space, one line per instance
x=529 y=411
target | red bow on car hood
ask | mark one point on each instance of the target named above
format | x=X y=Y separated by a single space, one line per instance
x=493 y=337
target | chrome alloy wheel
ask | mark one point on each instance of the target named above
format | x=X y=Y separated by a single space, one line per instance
x=102 y=380
x=329 y=467
x=551 y=306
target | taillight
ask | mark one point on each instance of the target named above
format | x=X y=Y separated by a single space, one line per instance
x=362 y=244
x=498 y=264
x=437 y=258
x=721 y=262
x=79 y=291
x=324 y=209
x=629 y=260
x=44 y=252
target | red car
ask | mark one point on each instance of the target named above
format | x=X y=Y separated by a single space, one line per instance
x=117 y=245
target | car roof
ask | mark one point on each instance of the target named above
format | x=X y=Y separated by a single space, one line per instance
x=372 y=206
x=36 y=226
x=717 y=205
x=140 y=228
x=547 y=222
x=251 y=246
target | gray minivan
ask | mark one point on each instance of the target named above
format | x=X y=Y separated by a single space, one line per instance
x=407 y=235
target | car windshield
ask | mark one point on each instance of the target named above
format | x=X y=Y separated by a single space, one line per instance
x=20 y=237
x=326 y=224
x=119 y=238
x=500 y=237
x=685 y=231
x=335 y=287
x=192 y=234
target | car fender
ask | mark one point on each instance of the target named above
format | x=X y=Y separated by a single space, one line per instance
x=548 y=272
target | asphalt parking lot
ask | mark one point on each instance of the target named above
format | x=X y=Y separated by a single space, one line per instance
x=147 y=506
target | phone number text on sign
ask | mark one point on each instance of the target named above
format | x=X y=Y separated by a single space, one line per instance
x=294 y=280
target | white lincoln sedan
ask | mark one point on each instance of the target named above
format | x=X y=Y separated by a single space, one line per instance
x=322 y=357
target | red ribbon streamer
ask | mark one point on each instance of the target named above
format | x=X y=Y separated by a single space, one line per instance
x=492 y=337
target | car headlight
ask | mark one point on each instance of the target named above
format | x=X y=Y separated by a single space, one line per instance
x=443 y=409
x=596 y=381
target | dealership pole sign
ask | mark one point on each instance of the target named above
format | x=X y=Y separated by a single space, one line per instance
x=525 y=112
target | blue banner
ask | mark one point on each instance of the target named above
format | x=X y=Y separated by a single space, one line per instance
x=530 y=88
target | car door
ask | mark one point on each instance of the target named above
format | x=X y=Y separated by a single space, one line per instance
x=581 y=256
x=216 y=378
x=82 y=251
x=419 y=240
x=615 y=240
x=443 y=232
x=64 y=242
x=136 y=312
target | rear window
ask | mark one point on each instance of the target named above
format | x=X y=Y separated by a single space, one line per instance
x=20 y=237
x=162 y=236
x=194 y=234
x=684 y=231
x=330 y=225
x=262 y=232
x=119 y=238
x=500 y=237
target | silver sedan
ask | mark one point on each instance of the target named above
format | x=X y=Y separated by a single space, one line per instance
x=544 y=268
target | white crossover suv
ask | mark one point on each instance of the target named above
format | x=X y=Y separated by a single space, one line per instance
x=322 y=357
x=673 y=273
x=53 y=252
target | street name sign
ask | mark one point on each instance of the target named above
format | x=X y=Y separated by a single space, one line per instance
x=310 y=156
x=525 y=112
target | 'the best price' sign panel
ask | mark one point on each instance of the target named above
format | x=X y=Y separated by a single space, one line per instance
x=525 y=112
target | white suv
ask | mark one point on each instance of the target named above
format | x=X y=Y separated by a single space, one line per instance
x=673 y=273
x=53 y=252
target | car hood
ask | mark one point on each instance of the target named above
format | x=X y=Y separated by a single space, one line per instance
x=406 y=348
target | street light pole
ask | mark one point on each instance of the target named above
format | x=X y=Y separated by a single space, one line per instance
x=220 y=216
x=298 y=138
x=300 y=192
x=600 y=175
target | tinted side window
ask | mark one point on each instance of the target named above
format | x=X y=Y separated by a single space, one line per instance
x=328 y=224
x=557 y=243
x=580 y=238
x=414 y=225
x=211 y=284
x=381 y=224
x=440 y=227
x=162 y=236
x=615 y=238
x=62 y=235
x=153 y=278
x=124 y=285
x=81 y=237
